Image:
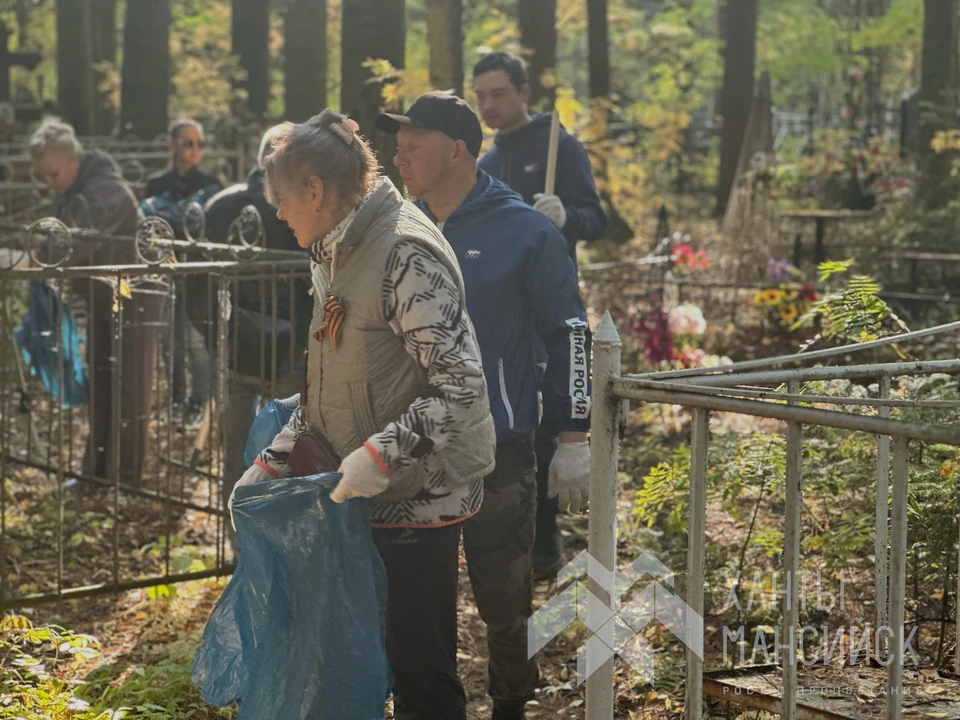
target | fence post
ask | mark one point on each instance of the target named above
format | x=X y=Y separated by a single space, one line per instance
x=604 y=459
x=693 y=706
x=791 y=563
x=898 y=580
x=883 y=514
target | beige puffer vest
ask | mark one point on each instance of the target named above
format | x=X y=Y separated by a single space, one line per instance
x=357 y=389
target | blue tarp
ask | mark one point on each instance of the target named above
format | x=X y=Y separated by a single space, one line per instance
x=37 y=339
x=299 y=632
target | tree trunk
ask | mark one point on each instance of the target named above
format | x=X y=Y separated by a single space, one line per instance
x=538 y=35
x=445 y=38
x=74 y=57
x=371 y=29
x=22 y=10
x=305 y=59
x=876 y=66
x=250 y=27
x=104 y=52
x=145 y=76
x=597 y=38
x=740 y=31
x=936 y=101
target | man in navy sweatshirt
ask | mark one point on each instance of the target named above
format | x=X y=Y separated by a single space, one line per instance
x=519 y=153
x=519 y=158
x=522 y=296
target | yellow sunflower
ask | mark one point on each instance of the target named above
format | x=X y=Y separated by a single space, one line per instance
x=788 y=313
x=772 y=296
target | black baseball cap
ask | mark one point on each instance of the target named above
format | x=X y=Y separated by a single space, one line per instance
x=438 y=111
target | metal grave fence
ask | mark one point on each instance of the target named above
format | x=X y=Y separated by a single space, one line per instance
x=109 y=483
x=767 y=388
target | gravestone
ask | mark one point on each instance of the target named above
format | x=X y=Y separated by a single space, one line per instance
x=910 y=122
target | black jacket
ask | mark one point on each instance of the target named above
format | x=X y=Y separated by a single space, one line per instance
x=253 y=301
x=179 y=186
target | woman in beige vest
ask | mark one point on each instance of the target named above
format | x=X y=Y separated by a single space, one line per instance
x=394 y=390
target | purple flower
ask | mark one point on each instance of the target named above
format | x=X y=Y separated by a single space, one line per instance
x=780 y=271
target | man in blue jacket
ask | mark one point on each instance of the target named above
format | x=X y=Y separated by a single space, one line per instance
x=519 y=158
x=522 y=295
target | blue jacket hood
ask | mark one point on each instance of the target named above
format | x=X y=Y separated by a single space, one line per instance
x=538 y=121
x=489 y=195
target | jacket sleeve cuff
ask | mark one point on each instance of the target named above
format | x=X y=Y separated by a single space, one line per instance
x=579 y=425
x=377 y=458
x=266 y=467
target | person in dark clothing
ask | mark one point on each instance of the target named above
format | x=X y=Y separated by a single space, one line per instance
x=519 y=158
x=522 y=295
x=163 y=195
x=184 y=177
x=519 y=153
x=92 y=194
x=248 y=382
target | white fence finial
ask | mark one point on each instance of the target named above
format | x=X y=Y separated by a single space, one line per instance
x=606 y=331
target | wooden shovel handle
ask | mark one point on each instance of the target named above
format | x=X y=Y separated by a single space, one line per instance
x=551 y=180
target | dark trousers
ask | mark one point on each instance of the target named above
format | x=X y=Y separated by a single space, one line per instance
x=138 y=346
x=497 y=542
x=547 y=539
x=421 y=614
x=422 y=566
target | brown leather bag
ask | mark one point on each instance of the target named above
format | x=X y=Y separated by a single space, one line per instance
x=312 y=454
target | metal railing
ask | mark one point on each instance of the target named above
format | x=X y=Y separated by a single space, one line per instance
x=23 y=196
x=768 y=388
x=160 y=474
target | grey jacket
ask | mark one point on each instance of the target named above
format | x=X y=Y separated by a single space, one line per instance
x=100 y=199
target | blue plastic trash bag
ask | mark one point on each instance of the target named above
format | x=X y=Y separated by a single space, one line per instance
x=299 y=632
x=269 y=421
x=37 y=338
x=173 y=211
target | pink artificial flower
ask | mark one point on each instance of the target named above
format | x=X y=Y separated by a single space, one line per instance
x=687 y=320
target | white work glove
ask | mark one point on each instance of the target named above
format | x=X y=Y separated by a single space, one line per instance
x=254 y=474
x=552 y=207
x=362 y=476
x=570 y=476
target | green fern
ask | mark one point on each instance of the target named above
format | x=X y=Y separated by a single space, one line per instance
x=852 y=313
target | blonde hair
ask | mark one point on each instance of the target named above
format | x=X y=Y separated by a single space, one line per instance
x=313 y=148
x=268 y=139
x=54 y=135
x=182 y=123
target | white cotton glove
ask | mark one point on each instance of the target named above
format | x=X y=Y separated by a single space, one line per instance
x=362 y=476
x=570 y=476
x=552 y=207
